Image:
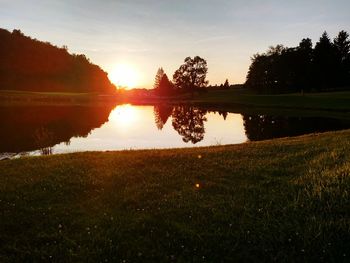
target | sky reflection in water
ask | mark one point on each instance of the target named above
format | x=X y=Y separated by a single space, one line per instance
x=134 y=127
x=63 y=129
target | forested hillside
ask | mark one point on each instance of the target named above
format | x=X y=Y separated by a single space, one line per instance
x=28 y=64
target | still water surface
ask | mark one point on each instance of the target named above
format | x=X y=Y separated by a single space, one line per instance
x=62 y=129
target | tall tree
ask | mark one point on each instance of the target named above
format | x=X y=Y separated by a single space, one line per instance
x=342 y=45
x=165 y=87
x=191 y=75
x=342 y=48
x=159 y=75
x=303 y=67
x=324 y=63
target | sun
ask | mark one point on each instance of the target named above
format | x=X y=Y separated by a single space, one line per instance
x=124 y=75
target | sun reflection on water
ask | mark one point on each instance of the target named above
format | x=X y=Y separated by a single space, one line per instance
x=124 y=116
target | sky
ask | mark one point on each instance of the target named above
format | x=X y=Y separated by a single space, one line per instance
x=148 y=34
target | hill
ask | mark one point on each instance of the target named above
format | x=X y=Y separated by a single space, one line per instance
x=28 y=64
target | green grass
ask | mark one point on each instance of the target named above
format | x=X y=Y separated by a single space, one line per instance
x=37 y=93
x=279 y=200
x=330 y=101
x=327 y=104
x=28 y=98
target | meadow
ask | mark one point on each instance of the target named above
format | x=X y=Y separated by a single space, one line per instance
x=278 y=200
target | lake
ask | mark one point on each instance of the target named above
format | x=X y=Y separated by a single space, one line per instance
x=61 y=129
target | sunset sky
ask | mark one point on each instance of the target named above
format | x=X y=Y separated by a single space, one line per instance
x=144 y=35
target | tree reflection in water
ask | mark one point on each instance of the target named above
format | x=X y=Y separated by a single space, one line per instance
x=223 y=113
x=33 y=128
x=41 y=127
x=189 y=123
x=162 y=114
x=186 y=120
x=263 y=127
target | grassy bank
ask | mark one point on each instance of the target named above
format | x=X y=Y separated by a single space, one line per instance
x=224 y=99
x=328 y=101
x=279 y=200
x=22 y=98
x=242 y=99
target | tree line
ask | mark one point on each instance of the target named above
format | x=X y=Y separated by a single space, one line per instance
x=324 y=67
x=190 y=77
x=32 y=65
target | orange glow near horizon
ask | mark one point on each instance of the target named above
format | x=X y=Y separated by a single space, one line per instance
x=124 y=75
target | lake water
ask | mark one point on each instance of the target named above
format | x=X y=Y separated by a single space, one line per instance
x=63 y=129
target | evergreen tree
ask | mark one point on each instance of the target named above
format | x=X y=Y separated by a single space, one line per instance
x=342 y=45
x=165 y=87
x=159 y=75
x=342 y=48
x=324 y=63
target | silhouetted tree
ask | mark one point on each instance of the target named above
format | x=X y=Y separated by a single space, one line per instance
x=159 y=75
x=324 y=62
x=342 y=49
x=190 y=76
x=165 y=87
x=275 y=50
x=303 y=66
x=257 y=73
x=161 y=115
x=226 y=84
x=189 y=123
x=266 y=71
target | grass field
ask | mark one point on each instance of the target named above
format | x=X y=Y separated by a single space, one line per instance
x=22 y=98
x=330 y=101
x=279 y=200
